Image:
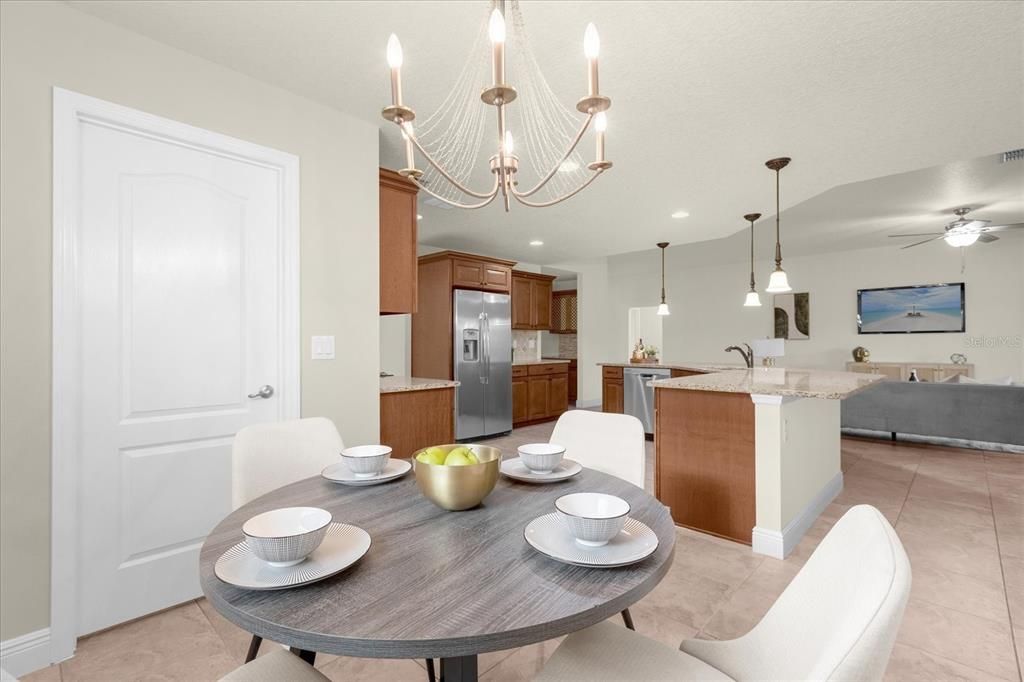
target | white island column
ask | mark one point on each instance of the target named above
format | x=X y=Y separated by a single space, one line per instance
x=797 y=467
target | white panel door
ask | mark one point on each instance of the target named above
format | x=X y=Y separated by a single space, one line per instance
x=182 y=315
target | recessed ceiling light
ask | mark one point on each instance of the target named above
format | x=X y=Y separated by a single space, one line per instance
x=536 y=242
x=568 y=166
x=680 y=214
x=419 y=217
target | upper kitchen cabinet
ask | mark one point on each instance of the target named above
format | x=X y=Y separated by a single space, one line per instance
x=398 y=286
x=478 y=272
x=531 y=300
x=563 y=312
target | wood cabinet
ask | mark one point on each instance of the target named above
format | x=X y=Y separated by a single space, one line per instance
x=900 y=371
x=563 y=311
x=611 y=389
x=479 y=273
x=398 y=287
x=704 y=468
x=531 y=300
x=539 y=392
x=573 y=381
x=438 y=275
x=410 y=420
x=520 y=395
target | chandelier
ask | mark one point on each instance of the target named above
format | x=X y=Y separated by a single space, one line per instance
x=548 y=133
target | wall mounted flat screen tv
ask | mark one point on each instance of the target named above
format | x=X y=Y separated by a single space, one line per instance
x=921 y=309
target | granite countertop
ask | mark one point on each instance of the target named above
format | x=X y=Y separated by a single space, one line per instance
x=798 y=383
x=563 y=358
x=544 y=361
x=685 y=366
x=398 y=384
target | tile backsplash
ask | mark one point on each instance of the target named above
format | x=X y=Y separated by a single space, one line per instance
x=525 y=345
x=566 y=345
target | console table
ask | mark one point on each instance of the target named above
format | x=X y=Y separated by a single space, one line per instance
x=926 y=371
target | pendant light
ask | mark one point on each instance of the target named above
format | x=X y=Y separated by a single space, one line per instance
x=778 y=282
x=663 y=307
x=752 y=297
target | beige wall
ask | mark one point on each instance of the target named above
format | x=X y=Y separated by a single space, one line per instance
x=706 y=298
x=48 y=44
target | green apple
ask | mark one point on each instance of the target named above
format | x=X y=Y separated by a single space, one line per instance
x=434 y=455
x=458 y=458
x=472 y=456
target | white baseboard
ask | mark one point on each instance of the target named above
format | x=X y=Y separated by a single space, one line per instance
x=587 y=404
x=25 y=654
x=778 y=545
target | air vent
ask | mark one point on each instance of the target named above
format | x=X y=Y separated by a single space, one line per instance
x=1013 y=155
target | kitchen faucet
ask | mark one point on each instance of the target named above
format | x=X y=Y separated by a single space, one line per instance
x=748 y=354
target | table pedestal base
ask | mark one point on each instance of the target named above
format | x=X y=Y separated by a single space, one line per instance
x=459 y=669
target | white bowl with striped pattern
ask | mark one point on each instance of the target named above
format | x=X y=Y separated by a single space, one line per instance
x=285 y=537
x=592 y=518
x=541 y=458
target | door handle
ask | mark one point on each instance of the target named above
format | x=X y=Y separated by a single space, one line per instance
x=266 y=390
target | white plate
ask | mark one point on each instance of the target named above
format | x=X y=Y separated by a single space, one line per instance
x=514 y=468
x=340 y=473
x=549 y=536
x=343 y=546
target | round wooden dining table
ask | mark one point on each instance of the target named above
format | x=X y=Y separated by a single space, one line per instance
x=435 y=583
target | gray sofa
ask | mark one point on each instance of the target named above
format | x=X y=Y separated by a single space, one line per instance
x=972 y=412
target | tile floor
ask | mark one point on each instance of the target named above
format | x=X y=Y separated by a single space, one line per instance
x=960 y=514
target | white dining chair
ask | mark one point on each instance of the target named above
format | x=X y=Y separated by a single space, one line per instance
x=610 y=443
x=607 y=442
x=268 y=456
x=837 y=620
x=276 y=666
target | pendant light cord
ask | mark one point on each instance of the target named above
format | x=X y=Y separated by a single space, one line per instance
x=663 y=274
x=778 y=242
x=752 y=256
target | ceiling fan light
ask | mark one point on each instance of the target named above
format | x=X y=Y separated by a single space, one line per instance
x=961 y=238
x=753 y=300
x=663 y=309
x=778 y=282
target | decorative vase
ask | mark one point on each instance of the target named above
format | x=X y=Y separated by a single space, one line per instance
x=861 y=354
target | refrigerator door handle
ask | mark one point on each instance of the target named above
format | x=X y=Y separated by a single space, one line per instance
x=487 y=348
x=483 y=349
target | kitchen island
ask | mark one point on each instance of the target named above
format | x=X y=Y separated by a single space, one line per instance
x=416 y=413
x=752 y=455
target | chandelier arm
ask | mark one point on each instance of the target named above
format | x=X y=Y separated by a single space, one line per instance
x=554 y=169
x=489 y=197
x=462 y=188
x=545 y=204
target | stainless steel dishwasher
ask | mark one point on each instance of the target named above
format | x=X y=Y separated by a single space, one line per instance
x=638 y=398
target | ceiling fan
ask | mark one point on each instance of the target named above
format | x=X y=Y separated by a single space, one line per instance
x=963 y=231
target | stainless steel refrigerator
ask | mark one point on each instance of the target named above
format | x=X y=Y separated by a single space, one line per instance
x=483 y=363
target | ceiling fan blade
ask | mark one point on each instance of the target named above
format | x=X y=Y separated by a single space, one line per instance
x=923 y=242
x=1010 y=226
x=920 y=234
x=983 y=237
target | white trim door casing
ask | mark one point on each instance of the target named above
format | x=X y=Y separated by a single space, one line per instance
x=175 y=295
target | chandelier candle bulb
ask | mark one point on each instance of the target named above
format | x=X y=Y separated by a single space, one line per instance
x=395 y=62
x=591 y=48
x=496 y=31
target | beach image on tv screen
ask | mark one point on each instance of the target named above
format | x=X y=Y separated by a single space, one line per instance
x=914 y=309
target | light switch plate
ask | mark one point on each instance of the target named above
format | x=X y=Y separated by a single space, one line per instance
x=323 y=347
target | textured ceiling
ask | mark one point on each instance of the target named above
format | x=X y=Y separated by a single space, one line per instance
x=861 y=215
x=703 y=94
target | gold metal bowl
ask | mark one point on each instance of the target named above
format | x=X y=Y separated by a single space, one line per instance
x=458 y=487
